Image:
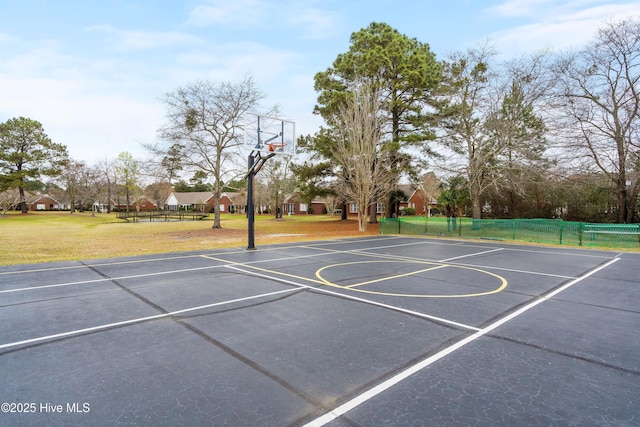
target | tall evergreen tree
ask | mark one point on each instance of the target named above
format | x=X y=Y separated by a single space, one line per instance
x=402 y=71
x=26 y=152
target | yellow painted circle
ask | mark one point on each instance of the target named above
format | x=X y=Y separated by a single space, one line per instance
x=434 y=265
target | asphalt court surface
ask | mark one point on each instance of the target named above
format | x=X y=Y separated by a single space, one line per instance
x=375 y=331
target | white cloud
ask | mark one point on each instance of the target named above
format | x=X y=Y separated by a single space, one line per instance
x=314 y=22
x=231 y=61
x=5 y=38
x=519 y=8
x=556 y=24
x=127 y=40
x=245 y=13
x=92 y=123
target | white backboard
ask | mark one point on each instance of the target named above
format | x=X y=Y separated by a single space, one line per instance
x=269 y=134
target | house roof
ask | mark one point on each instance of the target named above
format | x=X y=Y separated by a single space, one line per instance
x=234 y=194
x=193 y=198
x=33 y=198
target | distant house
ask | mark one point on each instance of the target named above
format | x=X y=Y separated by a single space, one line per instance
x=422 y=202
x=143 y=204
x=233 y=202
x=203 y=201
x=416 y=198
x=293 y=205
x=352 y=208
x=42 y=202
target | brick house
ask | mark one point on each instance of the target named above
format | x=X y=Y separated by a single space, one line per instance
x=143 y=204
x=42 y=202
x=233 y=202
x=422 y=202
x=293 y=205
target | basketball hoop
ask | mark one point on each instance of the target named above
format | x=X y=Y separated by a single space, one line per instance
x=264 y=137
x=270 y=135
x=277 y=147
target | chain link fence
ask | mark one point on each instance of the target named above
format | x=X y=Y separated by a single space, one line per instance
x=555 y=231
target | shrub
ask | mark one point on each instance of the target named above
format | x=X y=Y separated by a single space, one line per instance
x=409 y=211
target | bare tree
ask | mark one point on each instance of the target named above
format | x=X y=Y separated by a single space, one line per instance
x=9 y=199
x=598 y=98
x=488 y=117
x=360 y=152
x=206 y=119
x=127 y=170
x=106 y=169
x=72 y=180
x=519 y=129
x=93 y=188
x=277 y=177
x=466 y=105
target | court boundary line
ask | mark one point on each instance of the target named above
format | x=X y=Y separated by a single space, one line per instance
x=385 y=385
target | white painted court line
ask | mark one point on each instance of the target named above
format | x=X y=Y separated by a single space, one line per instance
x=89 y=265
x=160 y=273
x=157 y=273
x=139 y=320
x=470 y=255
x=481 y=266
x=484 y=267
x=171 y=258
x=369 y=394
x=354 y=298
x=297 y=287
x=134 y=276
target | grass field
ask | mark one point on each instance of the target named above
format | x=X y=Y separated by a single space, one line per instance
x=59 y=236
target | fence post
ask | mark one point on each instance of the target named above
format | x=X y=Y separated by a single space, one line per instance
x=513 y=229
x=561 y=229
x=580 y=231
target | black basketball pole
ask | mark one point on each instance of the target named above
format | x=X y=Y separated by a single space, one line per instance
x=250 y=210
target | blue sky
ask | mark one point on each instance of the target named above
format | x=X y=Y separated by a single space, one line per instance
x=93 y=72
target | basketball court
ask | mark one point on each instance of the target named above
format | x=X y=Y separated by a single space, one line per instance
x=382 y=330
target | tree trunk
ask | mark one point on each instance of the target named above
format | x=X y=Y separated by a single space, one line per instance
x=476 y=207
x=373 y=213
x=362 y=221
x=23 y=201
x=622 y=200
x=216 y=207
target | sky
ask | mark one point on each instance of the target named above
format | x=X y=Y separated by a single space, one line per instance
x=93 y=72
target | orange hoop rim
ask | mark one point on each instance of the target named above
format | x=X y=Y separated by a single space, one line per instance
x=275 y=146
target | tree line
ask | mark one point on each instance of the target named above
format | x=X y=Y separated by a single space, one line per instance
x=547 y=134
